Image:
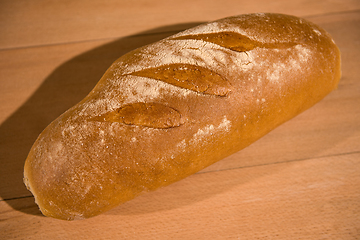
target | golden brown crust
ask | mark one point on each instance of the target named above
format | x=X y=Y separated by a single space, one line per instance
x=172 y=108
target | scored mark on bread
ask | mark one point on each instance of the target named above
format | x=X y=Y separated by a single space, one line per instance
x=152 y=115
x=192 y=77
x=234 y=41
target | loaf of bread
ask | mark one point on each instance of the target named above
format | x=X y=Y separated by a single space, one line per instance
x=169 y=109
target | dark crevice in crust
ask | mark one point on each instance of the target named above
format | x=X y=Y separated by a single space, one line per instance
x=152 y=115
x=234 y=41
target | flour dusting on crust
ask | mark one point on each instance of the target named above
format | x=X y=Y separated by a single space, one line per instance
x=210 y=129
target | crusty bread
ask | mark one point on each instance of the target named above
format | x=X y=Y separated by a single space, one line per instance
x=167 y=110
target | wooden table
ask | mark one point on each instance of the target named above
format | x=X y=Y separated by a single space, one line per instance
x=301 y=181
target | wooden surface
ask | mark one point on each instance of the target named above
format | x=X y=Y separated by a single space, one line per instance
x=301 y=181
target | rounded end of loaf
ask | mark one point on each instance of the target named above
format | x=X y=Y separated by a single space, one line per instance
x=33 y=176
x=61 y=183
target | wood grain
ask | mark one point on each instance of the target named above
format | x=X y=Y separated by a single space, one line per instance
x=298 y=182
x=316 y=198
x=44 y=22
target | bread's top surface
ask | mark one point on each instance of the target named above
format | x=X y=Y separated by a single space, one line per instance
x=169 y=109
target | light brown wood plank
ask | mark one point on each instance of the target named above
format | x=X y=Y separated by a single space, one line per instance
x=310 y=199
x=42 y=22
x=54 y=78
x=298 y=182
